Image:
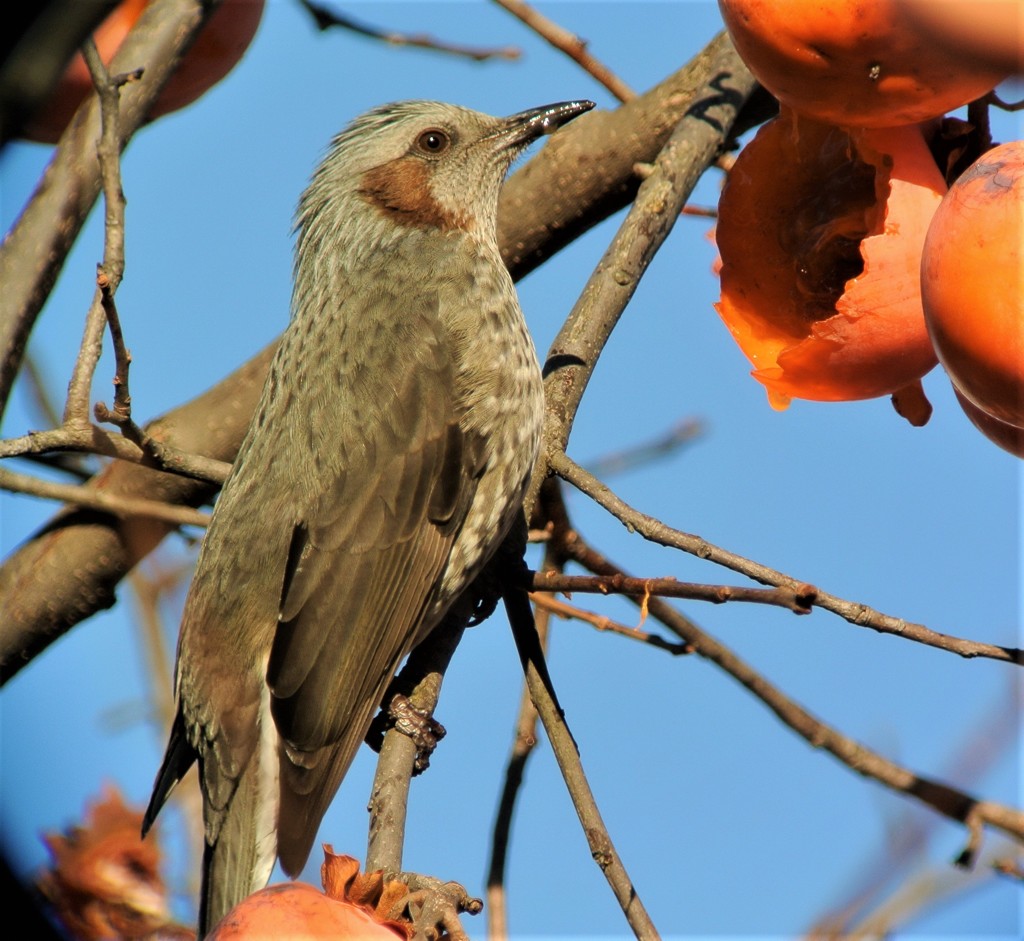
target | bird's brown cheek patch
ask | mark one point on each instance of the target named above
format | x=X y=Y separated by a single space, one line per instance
x=400 y=191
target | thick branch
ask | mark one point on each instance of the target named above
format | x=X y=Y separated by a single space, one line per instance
x=582 y=175
x=70 y=569
x=697 y=139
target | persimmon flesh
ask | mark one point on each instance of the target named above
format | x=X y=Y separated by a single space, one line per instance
x=820 y=233
x=858 y=63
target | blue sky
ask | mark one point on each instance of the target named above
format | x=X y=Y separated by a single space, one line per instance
x=727 y=821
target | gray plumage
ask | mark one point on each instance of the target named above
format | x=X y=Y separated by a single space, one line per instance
x=385 y=462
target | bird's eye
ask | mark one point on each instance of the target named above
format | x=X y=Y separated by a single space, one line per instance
x=433 y=142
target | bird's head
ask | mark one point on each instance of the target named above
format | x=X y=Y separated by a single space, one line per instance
x=426 y=165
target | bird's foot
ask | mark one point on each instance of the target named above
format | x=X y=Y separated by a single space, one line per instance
x=418 y=724
x=434 y=906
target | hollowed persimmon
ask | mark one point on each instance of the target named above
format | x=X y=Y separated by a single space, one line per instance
x=863 y=63
x=820 y=232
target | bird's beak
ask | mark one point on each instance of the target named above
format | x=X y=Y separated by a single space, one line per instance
x=523 y=128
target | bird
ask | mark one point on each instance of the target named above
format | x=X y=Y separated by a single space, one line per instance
x=386 y=460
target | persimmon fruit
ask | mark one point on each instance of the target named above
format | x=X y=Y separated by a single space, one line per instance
x=972 y=283
x=1008 y=437
x=217 y=49
x=820 y=232
x=298 y=912
x=862 y=63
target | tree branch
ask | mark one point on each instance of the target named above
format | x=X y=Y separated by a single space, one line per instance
x=948 y=801
x=566 y=754
x=695 y=142
x=797 y=601
x=854 y=612
x=584 y=173
x=570 y=44
x=33 y=252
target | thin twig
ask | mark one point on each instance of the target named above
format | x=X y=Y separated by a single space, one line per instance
x=985 y=743
x=76 y=408
x=120 y=506
x=798 y=601
x=547 y=604
x=420 y=681
x=854 y=612
x=91 y=439
x=121 y=414
x=523 y=744
x=948 y=801
x=35 y=249
x=566 y=754
x=616 y=462
x=326 y=19
x=111 y=270
x=571 y=45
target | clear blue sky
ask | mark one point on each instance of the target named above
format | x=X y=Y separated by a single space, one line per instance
x=728 y=822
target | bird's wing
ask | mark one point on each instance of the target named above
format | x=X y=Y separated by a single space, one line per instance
x=365 y=561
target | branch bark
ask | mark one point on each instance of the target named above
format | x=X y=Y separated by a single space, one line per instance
x=71 y=568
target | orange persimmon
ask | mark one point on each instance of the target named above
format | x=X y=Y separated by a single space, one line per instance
x=820 y=232
x=295 y=910
x=1008 y=437
x=353 y=905
x=863 y=63
x=215 y=52
x=972 y=283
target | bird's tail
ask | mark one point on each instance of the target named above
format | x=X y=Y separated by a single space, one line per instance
x=241 y=840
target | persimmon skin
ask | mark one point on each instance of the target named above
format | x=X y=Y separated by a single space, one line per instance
x=857 y=63
x=297 y=912
x=845 y=334
x=1009 y=437
x=972 y=283
x=217 y=49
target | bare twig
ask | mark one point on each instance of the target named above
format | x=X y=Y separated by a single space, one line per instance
x=680 y=434
x=570 y=44
x=523 y=744
x=984 y=744
x=1010 y=106
x=544 y=603
x=111 y=269
x=326 y=19
x=33 y=252
x=91 y=439
x=799 y=601
x=123 y=507
x=566 y=754
x=854 y=612
x=948 y=801
x=420 y=681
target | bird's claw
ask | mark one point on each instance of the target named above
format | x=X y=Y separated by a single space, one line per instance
x=418 y=724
